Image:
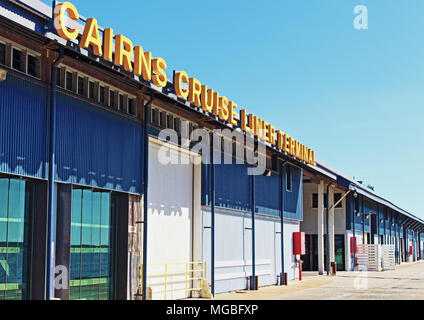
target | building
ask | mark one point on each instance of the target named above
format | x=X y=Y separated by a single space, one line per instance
x=108 y=208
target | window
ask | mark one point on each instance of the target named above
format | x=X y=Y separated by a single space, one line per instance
x=14 y=212
x=131 y=106
x=69 y=80
x=337 y=197
x=58 y=77
x=162 y=119
x=177 y=125
x=81 y=86
x=153 y=114
x=169 y=121
x=91 y=249
x=288 y=179
x=2 y=53
x=121 y=102
x=33 y=66
x=112 y=98
x=91 y=90
x=102 y=95
x=17 y=60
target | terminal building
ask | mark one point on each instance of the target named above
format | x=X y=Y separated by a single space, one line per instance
x=88 y=210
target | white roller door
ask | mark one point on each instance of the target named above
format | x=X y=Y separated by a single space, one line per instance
x=170 y=222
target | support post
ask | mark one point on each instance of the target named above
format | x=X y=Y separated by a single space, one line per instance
x=282 y=281
x=51 y=172
x=146 y=192
x=331 y=223
x=327 y=233
x=253 y=232
x=378 y=224
x=363 y=220
x=212 y=215
x=353 y=213
x=321 y=227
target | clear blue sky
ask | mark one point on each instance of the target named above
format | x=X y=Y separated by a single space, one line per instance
x=356 y=97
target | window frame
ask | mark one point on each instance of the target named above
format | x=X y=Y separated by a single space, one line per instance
x=289 y=179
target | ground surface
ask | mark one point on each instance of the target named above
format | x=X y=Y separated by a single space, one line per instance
x=406 y=282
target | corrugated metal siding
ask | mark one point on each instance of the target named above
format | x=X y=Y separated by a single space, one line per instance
x=97 y=148
x=232 y=187
x=369 y=207
x=349 y=214
x=29 y=20
x=22 y=127
x=293 y=200
x=232 y=190
x=267 y=194
x=381 y=216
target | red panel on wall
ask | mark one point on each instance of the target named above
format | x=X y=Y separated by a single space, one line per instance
x=299 y=243
x=411 y=250
x=353 y=244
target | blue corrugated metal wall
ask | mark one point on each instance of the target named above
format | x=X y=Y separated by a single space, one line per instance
x=349 y=213
x=22 y=127
x=232 y=186
x=232 y=190
x=267 y=194
x=97 y=148
x=382 y=217
x=369 y=207
x=293 y=200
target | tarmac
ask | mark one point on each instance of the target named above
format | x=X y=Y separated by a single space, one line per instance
x=406 y=282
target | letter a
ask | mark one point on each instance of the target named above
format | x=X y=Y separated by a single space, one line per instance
x=361 y=20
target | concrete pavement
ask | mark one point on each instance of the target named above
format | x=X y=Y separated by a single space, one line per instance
x=406 y=283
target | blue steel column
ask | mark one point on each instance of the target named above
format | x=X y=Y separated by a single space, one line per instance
x=390 y=227
x=378 y=224
x=396 y=239
x=146 y=190
x=51 y=172
x=283 y=282
x=363 y=220
x=399 y=244
x=253 y=233
x=353 y=213
x=212 y=173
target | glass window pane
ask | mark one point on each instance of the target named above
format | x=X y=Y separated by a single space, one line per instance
x=69 y=80
x=112 y=98
x=75 y=264
x=17 y=60
x=86 y=256
x=102 y=94
x=94 y=246
x=105 y=248
x=33 y=66
x=2 y=53
x=81 y=85
x=95 y=243
x=16 y=239
x=4 y=199
x=131 y=106
x=91 y=89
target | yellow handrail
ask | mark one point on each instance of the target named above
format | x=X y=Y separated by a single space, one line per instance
x=191 y=268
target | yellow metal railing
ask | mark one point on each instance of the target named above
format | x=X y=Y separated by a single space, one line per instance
x=187 y=271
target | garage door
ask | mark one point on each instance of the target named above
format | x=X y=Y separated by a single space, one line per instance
x=170 y=223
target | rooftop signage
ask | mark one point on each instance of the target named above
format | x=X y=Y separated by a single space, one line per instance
x=189 y=88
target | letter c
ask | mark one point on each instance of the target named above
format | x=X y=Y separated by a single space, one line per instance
x=59 y=20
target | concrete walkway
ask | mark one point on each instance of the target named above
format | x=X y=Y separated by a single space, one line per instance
x=406 y=282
